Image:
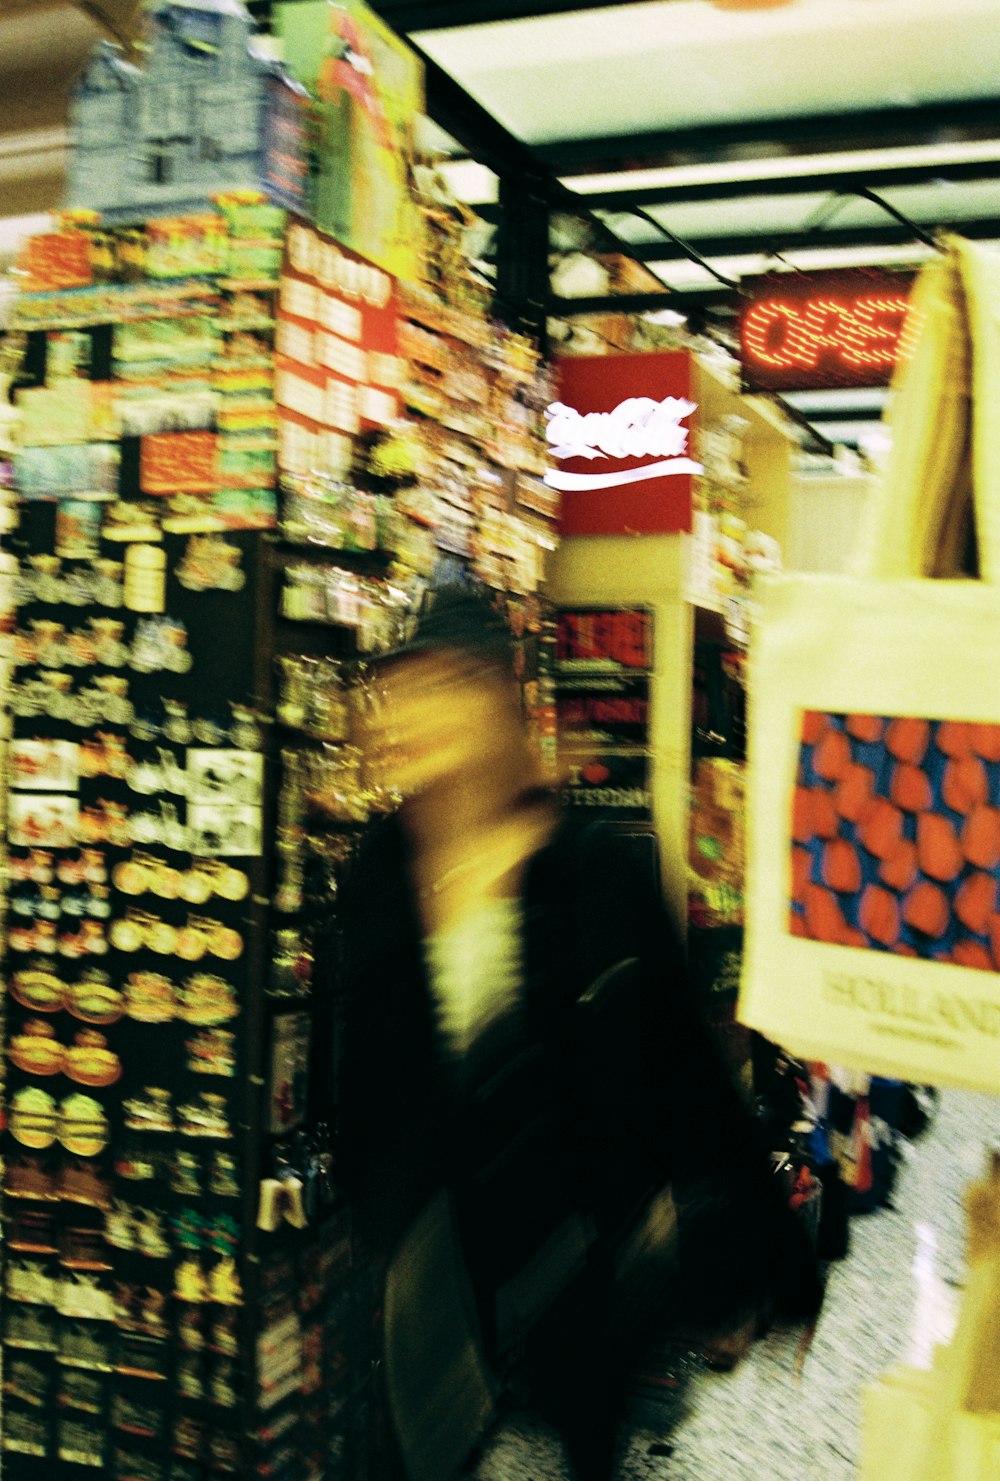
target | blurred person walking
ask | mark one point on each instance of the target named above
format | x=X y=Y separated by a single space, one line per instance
x=526 y=1078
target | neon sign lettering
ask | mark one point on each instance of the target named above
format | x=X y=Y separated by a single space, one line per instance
x=810 y=331
x=638 y=427
x=864 y=332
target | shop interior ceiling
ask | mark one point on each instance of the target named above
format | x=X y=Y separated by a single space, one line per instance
x=715 y=138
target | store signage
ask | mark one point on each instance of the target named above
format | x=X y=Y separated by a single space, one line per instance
x=614 y=784
x=337 y=368
x=817 y=331
x=602 y=640
x=604 y=657
x=632 y=414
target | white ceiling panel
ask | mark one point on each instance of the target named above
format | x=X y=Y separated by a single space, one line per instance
x=660 y=65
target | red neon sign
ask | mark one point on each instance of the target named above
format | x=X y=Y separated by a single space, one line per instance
x=804 y=331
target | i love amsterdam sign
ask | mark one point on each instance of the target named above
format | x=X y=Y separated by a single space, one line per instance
x=619 y=439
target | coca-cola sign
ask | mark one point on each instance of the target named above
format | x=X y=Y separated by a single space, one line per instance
x=632 y=416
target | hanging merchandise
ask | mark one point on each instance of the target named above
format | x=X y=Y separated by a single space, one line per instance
x=875 y=732
x=337 y=368
x=164 y=137
x=368 y=90
x=125 y=1031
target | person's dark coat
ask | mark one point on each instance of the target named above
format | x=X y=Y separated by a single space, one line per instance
x=554 y=1124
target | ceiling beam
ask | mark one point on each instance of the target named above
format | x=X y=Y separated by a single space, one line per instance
x=440 y=15
x=930 y=123
x=745 y=244
x=764 y=185
x=493 y=145
x=838 y=413
x=683 y=301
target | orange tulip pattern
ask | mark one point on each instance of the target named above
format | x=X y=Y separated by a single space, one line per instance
x=896 y=837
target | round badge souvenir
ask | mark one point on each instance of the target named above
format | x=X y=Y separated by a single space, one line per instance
x=161 y=938
x=21 y=938
x=89 y=1061
x=95 y=868
x=126 y=935
x=232 y=884
x=83 y=1126
x=49 y=903
x=206 y=1000
x=35 y=1049
x=130 y=877
x=98 y=902
x=191 y=944
x=33 y=1118
x=196 y=885
x=70 y=871
x=46 y=940
x=150 y=997
x=164 y=881
x=227 y=944
x=37 y=989
x=40 y=868
x=93 y=1000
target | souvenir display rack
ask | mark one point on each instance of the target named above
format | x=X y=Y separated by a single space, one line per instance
x=183 y=1295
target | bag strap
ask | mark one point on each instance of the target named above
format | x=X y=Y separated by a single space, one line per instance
x=937 y=509
x=921 y=512
x=968 y=1372
x=981 y=279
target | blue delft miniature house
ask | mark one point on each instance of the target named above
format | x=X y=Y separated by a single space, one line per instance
x=189 y=123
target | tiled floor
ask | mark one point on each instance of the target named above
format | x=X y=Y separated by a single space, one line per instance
x=759 y=1423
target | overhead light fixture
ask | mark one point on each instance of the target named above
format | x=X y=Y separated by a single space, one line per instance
x=679 y=273
x=725 y=172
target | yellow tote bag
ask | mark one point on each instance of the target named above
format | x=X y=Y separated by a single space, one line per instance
x=900 y=1415
x=944 y=1425
x=873 y=905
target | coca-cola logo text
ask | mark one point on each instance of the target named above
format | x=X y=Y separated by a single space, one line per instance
x=638 y=427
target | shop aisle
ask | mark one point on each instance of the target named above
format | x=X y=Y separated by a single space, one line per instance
x=758 y=1422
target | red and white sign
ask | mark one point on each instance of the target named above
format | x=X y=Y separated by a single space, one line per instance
x=337 y=368
x=619 y=435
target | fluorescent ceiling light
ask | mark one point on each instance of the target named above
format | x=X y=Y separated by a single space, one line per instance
x=679 y=273
x=863 y=398
x=721 y=172
x=856 y=432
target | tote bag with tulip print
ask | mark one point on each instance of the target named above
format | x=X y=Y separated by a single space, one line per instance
x=873 y=930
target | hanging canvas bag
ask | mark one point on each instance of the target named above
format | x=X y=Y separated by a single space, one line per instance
x=873 y=930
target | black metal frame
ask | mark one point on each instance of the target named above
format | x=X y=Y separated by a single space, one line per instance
x=440 y=15
x=745 y=243
x=845 y=181
x=932 y=123
x=528 y=195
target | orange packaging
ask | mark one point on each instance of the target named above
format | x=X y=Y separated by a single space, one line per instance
x=55 y=260
x=178 y=463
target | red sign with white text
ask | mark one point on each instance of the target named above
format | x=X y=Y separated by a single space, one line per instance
x=824 y=331
x=619 y=443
